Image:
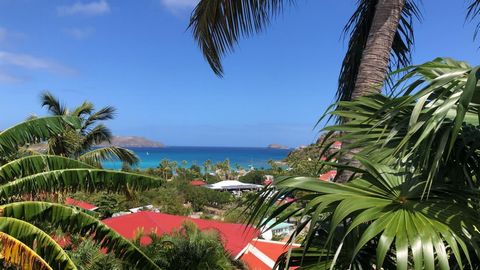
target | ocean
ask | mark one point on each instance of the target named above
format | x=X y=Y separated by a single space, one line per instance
x=245 y=157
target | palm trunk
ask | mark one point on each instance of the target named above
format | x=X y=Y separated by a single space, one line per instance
x=375 y=59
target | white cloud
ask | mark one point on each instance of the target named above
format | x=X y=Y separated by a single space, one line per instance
x=9 y=78
x=7 y=36
x=89 y=9
x=32 y=62
x=79 y=33
x=178 y=5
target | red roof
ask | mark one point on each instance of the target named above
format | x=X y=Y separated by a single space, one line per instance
x=197 y=182
x=235 y=236
x=337 y=145
x=328 y=176
x=262 y=254
x=81 y=204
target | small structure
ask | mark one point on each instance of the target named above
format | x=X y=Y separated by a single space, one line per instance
x=336 y=145
x=233 y=185
x=142 y=208
x=328 y=176
x=197 y=182
x=235 y=236
x=262 y=254
x=282 y=229
x=81 y=204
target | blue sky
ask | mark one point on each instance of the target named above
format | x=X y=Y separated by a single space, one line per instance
x=139 y=57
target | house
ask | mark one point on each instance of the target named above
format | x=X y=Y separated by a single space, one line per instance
x=233 y=185
x=281 y=229
x=234 y=236
x=81 y=204
x=328 y=176
x=336 y=145
x=197 y=182
x=262 y=254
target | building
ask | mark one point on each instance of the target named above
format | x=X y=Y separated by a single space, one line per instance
x=235 y=236
x=81 y=204
x=197 y=182
x=262 y=254
x=282 y=229
x=233 y=185
x=328 y=176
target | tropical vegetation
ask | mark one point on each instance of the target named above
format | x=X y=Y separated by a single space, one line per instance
x=188 y=248
x=413 y=201
x=82 y=143
x=24 y=242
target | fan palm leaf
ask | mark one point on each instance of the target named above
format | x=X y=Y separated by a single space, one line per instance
x=386 y=206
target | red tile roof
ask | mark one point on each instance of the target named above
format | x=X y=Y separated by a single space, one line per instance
x=197 y=182
x=337 y=145
x=262 y=254
x=328 y=176
x=235 y=236
x=81 y=204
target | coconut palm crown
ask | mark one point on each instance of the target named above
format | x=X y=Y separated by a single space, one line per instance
x=81 y=143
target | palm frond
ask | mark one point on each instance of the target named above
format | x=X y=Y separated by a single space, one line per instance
x=218 y=25
x=385 y=205
x=17 y=253
x=473 y=10
x=97 y=135
x=97 y=156
x=53 y=104
x=86 y=108
x=74 y=221
x=77 y=179
x=30 y=165
x=105 y=113
x=44 y=245
x=34 y=131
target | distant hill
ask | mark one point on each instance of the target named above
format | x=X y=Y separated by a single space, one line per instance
x=132 y=141
x=277 y=146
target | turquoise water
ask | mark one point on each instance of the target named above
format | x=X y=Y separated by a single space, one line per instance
x=243 y=156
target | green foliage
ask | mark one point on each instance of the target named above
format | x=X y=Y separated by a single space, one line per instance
x=200 y=197
x=87 y=255
x=307 y=161
x=41 y=175
x=254 y=177
x=413 y=201
x=78 y=142
x=188 y=248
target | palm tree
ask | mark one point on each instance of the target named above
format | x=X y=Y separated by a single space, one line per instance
x=79 y=143
x=188 y=248
x=378 y=29
x=206 y=166
x=413 y=202
x=28 y=246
